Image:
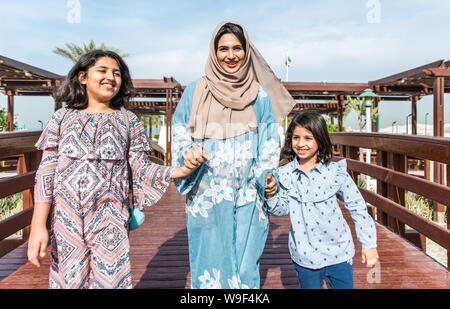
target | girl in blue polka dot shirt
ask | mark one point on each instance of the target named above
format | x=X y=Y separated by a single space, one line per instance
x=320 y=240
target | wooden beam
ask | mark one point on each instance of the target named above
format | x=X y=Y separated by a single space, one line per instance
x=409 y=73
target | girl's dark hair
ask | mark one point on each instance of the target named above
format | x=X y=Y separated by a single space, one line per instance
x=231 y=28
x=74 y=93
x=315 y=123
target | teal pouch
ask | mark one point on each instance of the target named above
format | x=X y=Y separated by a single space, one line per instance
x=137 y=217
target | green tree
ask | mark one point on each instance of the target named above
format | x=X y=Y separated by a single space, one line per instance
x=332 y=127
x=74 y=52
x=3 y=120
x=359 y=106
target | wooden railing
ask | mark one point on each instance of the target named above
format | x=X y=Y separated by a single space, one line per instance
x=21 y=145
x=392 y=153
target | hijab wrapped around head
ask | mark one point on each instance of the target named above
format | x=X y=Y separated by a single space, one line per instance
x=222 y=102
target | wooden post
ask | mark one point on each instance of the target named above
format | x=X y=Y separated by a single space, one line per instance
x=10 y=112
x=438 y=130
x=352 y=153
x=169 y=128
x=382 y=217
x=28 y=162
x=448 y=216
x=375 y=122
x=396 y=162
x=341 y=108
x=150 y=133
x=414 y=115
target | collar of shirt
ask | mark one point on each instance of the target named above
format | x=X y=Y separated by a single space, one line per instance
x=297 y=169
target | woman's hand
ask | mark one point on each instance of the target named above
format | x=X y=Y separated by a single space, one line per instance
x=271 y=186
x=37 y=245
x=369 y=256
x=193 y=158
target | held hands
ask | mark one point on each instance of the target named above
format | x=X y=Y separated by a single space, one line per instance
x=369 y=256
x=271 y=186
x=193 y=158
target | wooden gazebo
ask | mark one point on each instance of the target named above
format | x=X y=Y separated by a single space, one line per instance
x=21 y=79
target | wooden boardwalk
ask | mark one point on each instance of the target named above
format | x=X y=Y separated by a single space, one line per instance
x=159 y=257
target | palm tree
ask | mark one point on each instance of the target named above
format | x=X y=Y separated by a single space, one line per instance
x=359 y=106
x=74 y=52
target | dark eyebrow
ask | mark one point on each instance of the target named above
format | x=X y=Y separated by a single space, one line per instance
x=103 y=67
x=225 y=46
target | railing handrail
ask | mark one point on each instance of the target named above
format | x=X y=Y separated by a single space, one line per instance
x=403 y=146
x=16 y=143
x=423 y=147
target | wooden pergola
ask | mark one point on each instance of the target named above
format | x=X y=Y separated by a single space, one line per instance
x=429 y=79
x=160 y=96
x=334 y=95
x=157 y=97
x=21 y=79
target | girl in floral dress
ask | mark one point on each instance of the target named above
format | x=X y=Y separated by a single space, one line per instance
x=83 y=183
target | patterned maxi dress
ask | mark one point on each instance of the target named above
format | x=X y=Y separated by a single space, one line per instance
x=84 y=175
x=226 y=222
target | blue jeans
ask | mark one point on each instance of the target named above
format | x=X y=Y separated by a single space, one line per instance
x=339 y=276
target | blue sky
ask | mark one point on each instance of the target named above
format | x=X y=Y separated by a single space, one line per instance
x=334 y=41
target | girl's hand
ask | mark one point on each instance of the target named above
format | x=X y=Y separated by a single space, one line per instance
x=37 y=245
x=369 y=256
x=271 y=186
x=181 y=171
x=194 y=157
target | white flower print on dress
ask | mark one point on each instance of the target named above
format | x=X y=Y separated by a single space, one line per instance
x=219 y=192
x=181 y=140
x=246 y=195
x=243 y=152
x=235 y=283
x=269 y=157
x=209 y=282
x=222 y=155
x=199 y=206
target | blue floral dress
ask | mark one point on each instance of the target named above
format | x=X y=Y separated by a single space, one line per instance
x=226 y=222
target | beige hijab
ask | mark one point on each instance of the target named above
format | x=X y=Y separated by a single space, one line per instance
x=222 y=102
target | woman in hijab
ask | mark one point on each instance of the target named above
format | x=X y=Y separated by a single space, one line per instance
x=229 y=116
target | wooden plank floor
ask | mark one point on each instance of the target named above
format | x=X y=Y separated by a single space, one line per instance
x=159 y=257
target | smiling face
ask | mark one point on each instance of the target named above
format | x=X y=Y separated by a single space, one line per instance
x=304 y=145
x=102 y=80
x=230 y=53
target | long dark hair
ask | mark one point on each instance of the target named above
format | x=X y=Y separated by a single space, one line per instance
x=315 y=123
x=74 y=94
x=234 y=29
